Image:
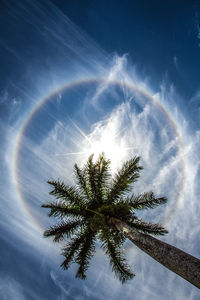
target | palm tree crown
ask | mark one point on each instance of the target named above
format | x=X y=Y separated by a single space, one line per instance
x=86 y=211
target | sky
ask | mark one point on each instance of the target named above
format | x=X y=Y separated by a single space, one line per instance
x=82 y=77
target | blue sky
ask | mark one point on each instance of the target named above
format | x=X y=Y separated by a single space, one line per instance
x=81 y=77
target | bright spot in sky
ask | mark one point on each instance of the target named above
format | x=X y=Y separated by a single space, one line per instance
x=106 y=139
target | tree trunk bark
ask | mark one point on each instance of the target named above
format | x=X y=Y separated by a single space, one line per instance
x=176 y=260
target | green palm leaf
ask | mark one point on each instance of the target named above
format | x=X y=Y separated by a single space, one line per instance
x=83 y=183
x=146 y=200
x=85 y=253
x=128 y=174
x=100 y=179
x=62 y=210
x=72 y=247
x=63 y=229
x=117 y=261
x=68 y=193
x=146 y=227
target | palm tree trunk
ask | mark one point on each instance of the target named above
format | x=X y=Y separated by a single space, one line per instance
x=176 y=260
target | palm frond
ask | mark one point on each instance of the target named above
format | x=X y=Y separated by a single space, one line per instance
x=83 y=182
x=100 y=179
x=147 y=227
x=146 y=200
x=117 y=261
x=64 y=229
x=85 y=253
x=117 y=237
x=128 y=174
x=61 y=210
x=91 y=171
x=66 y=193
x=72 y=248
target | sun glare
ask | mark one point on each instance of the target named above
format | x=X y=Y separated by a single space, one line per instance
x=105 y=138
x=113 y=150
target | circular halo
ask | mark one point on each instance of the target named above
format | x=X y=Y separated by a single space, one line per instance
x=73 y=85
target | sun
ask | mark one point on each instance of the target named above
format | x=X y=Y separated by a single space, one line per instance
x=106 y=138
x=114 y=149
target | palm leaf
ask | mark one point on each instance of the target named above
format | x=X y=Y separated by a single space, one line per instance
x=82 y=182
x=103 y=176
x=85 y=253
x=67 y=193
x=117 y=261
x=146 y=200
x=128 y=174
x=70 y=250
x=99 y=176
x=116 y=237
x=146 y=227
x=72 y=247
x=62 y=210
x=63 y=229
x=91 y=171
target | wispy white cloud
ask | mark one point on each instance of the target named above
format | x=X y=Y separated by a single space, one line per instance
x=134 y=126
x=196 y=97
x=123 y=133
x=11 y=289
x=116 y=72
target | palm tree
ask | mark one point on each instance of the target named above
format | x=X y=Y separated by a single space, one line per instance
x=99 y=208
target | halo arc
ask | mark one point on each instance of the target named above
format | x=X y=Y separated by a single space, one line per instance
x=71 y=85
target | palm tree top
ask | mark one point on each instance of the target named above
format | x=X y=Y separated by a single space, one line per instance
x=87 y=208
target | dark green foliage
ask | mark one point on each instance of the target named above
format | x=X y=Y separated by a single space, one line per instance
x=145 y=227
x=117 y=261
x=122 y=181
x=86 y=251
x=63 y=229
x=61 y=210
x=85 y=211
x=146 y=200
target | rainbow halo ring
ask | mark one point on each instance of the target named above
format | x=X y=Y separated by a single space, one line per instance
x=93 y=116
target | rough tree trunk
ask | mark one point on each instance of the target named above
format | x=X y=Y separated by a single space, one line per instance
x=176 y=260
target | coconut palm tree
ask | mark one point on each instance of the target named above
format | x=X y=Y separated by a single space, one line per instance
x=99 y=207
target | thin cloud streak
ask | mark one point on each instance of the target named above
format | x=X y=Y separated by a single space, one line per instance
x=124 y=131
